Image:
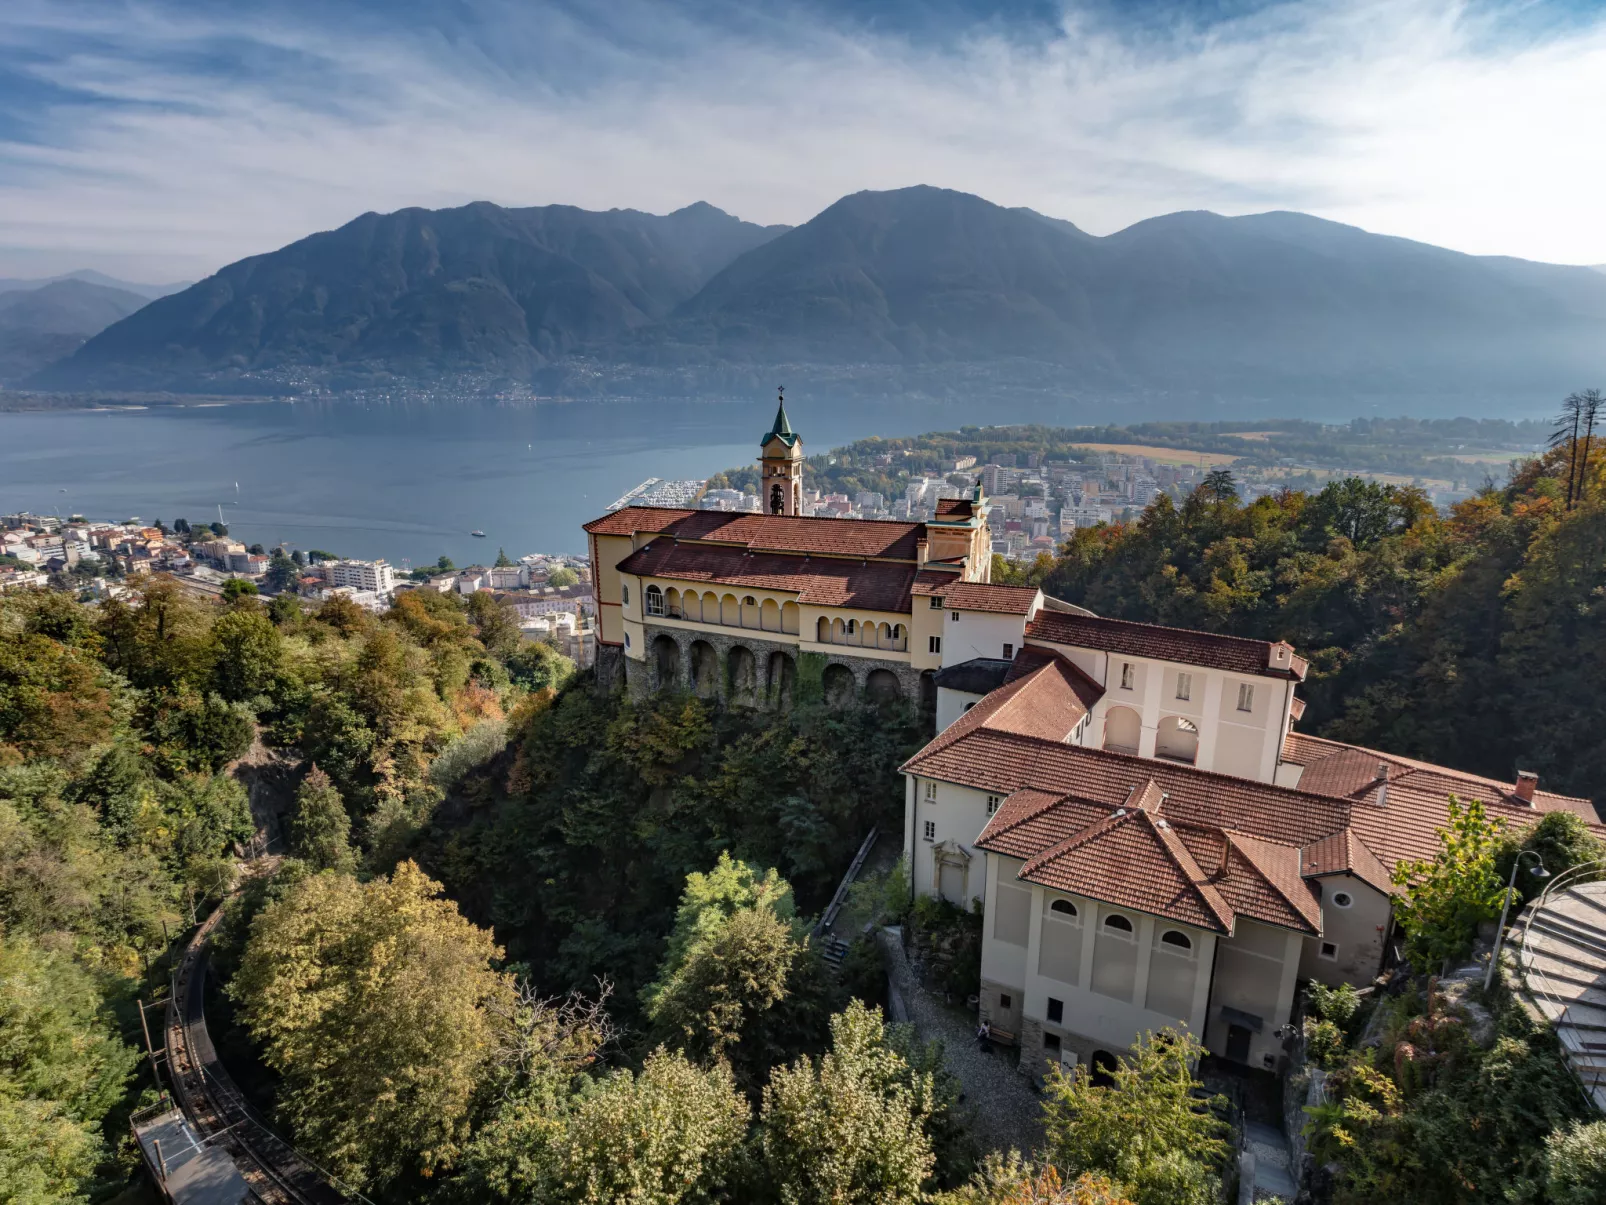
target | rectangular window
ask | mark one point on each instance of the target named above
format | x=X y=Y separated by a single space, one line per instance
x=1184 y=686
x=1330 y=951
x=992 y=804
x=1051 y=1045
x=931 y=830
x=953 y=617
x=936 y=602
x=1056 y=1010
x=1009 y=652
x=1005 y=1002
x=1126 y=675
x=931 y=791
x=1246 y=697
x=934 y=644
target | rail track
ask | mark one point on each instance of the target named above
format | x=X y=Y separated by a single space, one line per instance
x=276 y=1173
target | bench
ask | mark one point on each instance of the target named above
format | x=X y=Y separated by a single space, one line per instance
x=1001 y=1037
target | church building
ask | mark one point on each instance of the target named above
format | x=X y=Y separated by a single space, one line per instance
x=753 y=607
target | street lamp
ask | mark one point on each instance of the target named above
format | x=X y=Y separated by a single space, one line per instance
x=1538 y=872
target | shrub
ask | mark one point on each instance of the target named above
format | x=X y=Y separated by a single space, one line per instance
x=1576 y=1162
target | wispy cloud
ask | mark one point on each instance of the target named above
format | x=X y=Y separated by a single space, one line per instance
x=160 y=139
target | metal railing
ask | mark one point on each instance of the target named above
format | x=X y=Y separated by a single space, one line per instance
x=1539 y=985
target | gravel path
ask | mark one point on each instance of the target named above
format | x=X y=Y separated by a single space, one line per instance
x=1003 y=1110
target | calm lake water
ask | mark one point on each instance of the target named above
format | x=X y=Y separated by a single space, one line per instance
x=410 y=482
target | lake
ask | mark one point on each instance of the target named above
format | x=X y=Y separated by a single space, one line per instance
x=410 y=482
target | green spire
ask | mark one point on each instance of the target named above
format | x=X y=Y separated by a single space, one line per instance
x=782 y=427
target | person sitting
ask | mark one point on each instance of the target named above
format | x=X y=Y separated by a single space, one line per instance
x=984 y=1037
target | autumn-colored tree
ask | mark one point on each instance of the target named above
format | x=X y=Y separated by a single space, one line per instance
x=1010 y=1180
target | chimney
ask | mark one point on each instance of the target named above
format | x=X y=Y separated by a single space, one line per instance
x=1527 y=784
x=1281 y=655
x=921 y=550
x=1382 y=784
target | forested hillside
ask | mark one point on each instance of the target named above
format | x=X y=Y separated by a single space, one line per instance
x=529 y=943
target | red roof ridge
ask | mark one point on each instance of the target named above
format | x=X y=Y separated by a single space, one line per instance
x=1301 y=901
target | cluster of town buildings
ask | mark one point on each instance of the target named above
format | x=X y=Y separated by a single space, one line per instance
x=1150 y=840
x=1036 y=504
x=97 y=558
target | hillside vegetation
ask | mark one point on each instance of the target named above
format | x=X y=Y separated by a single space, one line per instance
x=535 y=944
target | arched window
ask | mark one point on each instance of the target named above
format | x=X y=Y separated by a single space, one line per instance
x=749 y=601
x=1118 y=924
x=624 y=594
x=1172 y=938
x=655 y=601
x=853 y=626
x=1064 y=907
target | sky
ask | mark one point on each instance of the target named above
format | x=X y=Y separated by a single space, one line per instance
x=157 y=140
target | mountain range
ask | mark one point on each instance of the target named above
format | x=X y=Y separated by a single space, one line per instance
x=912 y=289
x=42 y=324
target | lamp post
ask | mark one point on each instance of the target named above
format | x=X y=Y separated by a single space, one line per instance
x=1538 y=872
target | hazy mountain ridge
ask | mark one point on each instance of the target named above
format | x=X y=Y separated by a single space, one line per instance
x=885 y=287
x=41 y=325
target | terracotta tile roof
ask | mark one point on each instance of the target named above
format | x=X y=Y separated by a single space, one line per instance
x=1341 y=852
x=822 y=581
x=1233 y=653
x=1255 y=842
x=1332 y=767
x=954 y=508
x=977 y=596
x=815 y=535
x=1048 y=702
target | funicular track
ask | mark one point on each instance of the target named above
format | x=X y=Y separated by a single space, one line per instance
x=275 y=1172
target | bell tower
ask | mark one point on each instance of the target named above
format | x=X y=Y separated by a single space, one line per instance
x=780 y=463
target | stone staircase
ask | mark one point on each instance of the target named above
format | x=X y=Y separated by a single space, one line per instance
x=1558 y=957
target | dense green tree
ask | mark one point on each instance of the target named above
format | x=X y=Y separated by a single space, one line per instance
x=850 y=1126
x=672 y=1135
x=1577 y=1164
x=503 y=561
x=562 y=577
x=320 y=829
x=1147 y=1130
x=237 y=588
x=62 y=1068
x=249 y=652
x=375 y=1003
x=282 y=571
x=1445 y=898
x=495 y=623
x=537 y=666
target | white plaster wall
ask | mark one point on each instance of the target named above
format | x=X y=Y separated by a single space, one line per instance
x=951 y=704
x=1113 y=1023
x=1002 y=962
x=980 y=634
x=959 y=814
x=1359 y=931
x=1261 y=985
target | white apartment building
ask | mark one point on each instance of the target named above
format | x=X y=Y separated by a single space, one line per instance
x=376 y=577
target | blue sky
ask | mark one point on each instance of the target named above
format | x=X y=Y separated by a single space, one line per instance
x=158 y=139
